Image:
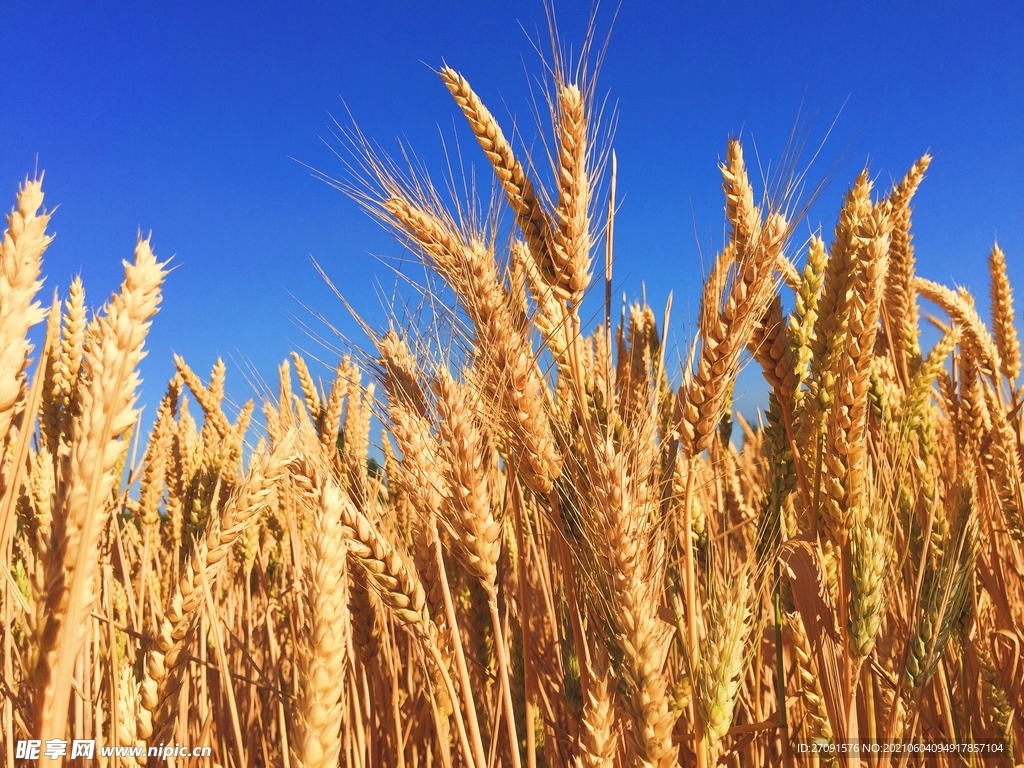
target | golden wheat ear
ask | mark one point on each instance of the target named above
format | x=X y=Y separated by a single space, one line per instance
x=322 y=654
x=899 y=306
x=21 y=257
x=1003 y=316
x=522 y=198
x=112 y=356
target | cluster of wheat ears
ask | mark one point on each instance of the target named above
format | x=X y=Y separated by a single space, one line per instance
x=573 y=552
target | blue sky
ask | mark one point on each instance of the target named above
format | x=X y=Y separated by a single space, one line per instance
x=184 y=119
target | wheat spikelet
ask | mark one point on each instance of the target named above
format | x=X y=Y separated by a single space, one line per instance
x=598 y=737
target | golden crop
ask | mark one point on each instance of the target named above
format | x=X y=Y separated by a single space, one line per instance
x=570 y=556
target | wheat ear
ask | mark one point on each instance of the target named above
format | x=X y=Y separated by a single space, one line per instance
x=960 y=307
x=830 y=327
x=355 y=450
x=112 y=356
x=330 y=422
x=845 y=454
x=206 y=397
x=518 y=188
x=60 y=404
x=571 y=251
x=479 y=532
x=727 y=322
x=323 y=648
x=721 y=665
x=1003 y=325
x=899 y=305
x=21 y=255
x=809 y=683
x=308 y=386
x=626 y=512
x=423 y=472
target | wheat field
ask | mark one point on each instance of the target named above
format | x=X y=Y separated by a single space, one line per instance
x=566 y=547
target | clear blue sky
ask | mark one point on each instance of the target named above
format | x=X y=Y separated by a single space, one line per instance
x=181 y=118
